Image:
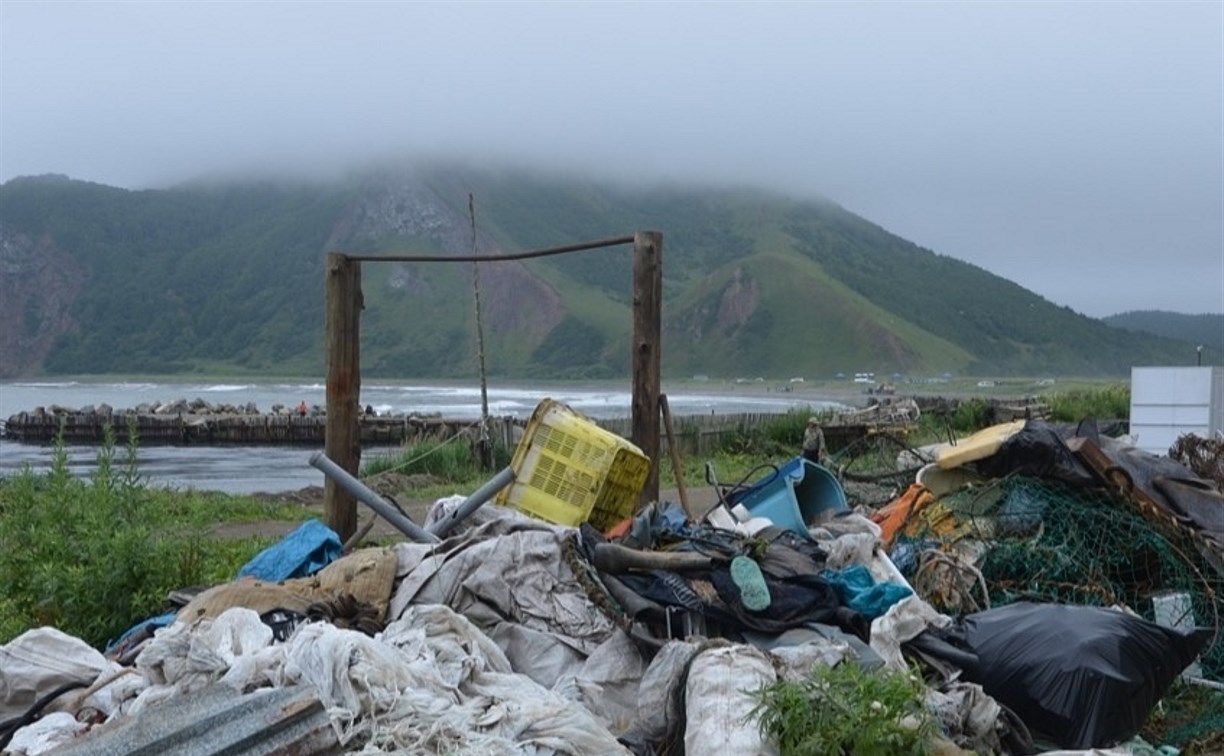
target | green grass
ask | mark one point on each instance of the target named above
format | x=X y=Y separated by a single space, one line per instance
x=94 y=556
x=1108 y=402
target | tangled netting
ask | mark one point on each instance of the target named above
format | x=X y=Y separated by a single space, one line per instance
x=1202 y=456
x=1036 y=540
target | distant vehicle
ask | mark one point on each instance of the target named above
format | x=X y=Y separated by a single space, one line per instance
x=797 y=379
x=864 y=377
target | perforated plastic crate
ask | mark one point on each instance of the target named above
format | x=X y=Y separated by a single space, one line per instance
x=569 y=470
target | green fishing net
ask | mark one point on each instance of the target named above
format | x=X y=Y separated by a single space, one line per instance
x=1037 y=540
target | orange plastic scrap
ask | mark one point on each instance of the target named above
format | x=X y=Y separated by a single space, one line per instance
x=897 y=514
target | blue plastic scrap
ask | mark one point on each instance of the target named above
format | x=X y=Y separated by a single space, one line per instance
x=858 y=590
x=302 y=553
x=150 y=625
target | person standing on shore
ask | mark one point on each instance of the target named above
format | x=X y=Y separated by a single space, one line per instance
x=814 y=448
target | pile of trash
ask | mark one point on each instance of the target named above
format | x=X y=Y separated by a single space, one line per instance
x=1046 y=587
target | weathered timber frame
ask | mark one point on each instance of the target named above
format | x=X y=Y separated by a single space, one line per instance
x=342 y=443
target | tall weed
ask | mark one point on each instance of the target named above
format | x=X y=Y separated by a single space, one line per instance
x=1111 y=403
x=93 y=556
x=451 y=461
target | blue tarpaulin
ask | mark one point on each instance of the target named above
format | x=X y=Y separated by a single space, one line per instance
x=303 y=552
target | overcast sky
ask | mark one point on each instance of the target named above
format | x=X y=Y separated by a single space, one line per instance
x=1076 y=148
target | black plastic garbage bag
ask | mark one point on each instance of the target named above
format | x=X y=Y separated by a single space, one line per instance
x=1039 y=450
x=1082 y=676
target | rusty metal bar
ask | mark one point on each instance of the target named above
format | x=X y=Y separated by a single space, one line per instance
x=493 y=258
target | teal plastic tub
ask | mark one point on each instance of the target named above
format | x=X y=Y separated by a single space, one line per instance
x=799 y=494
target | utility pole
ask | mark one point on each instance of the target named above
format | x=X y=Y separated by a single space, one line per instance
x=486 y=448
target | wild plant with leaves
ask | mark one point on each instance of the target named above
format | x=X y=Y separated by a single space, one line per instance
x=844 y=710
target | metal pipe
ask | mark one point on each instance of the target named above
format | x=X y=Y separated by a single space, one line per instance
x=371 y=499
x=473 y=502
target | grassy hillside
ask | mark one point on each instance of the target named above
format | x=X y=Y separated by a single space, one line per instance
x=230 y=277
x=1205 y=330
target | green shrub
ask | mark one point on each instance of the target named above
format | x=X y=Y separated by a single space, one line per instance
x=93 y=556
x=971 y=415
x=843 y=711
x=1111 y=402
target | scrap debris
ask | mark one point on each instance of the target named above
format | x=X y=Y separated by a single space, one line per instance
x=1041 y=588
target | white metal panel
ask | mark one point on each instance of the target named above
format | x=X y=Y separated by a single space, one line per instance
x=1170 y=402
x=1155 y=439
x=1216 y=417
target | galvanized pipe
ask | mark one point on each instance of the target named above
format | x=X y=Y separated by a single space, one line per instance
x=371 y=499
x=473 y=502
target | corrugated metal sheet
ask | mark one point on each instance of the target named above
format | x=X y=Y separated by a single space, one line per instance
x=218 y=720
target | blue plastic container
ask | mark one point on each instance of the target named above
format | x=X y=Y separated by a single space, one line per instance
x=796 y=496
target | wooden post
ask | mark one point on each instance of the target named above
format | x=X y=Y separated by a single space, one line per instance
x=647 y=348
x=342 y=442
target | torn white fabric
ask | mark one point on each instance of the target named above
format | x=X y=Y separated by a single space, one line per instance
x=797 y=662
x=44 y=734
x=849 y=549
x=443 y=508
x=719 y=701
x=968 y=716
x=607 y=685
x=232 y=649
x=40 y=660
x=193 y=655
x=903 y=622
x=658 y=709
x=432 y=683
x=510 y=577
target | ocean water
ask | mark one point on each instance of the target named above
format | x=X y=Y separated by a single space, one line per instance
x=248 y=469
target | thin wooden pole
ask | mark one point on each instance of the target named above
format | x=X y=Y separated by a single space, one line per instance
x=674 y=448
x=647 y=352
x=342 y=443
x=486 y=449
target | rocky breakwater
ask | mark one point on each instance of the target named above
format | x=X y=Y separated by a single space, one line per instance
x=199 y=422
x=176 y=422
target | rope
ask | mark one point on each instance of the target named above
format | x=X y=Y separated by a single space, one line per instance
x=406 y=463
x=947 y=581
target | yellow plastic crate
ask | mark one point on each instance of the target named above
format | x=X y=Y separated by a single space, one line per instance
x=568 y=470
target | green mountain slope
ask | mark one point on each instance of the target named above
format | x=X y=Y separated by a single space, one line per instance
x=229 y=277
x=1207 y=330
